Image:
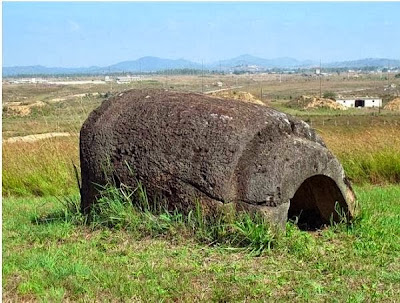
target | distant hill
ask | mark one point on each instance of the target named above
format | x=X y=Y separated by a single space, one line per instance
x=284 y=62
x=145 y=64
x=155 y=64
x=42 y=70
x=152 y=64
x=368 y=62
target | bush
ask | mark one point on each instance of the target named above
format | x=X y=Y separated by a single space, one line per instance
x=330 y=95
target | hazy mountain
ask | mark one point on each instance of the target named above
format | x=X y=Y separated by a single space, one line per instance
x=145 y=64
x=368 y=62
x=155 y=64
x=152 y=64
x=245 y=60
x=42 y=70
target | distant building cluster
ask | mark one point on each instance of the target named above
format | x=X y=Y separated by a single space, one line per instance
x=67 y=80
x=125 y=79
x=28 y=80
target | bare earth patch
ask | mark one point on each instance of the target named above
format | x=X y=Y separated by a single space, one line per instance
x=70 y=97
x=20 y=109
x=36 y=137
x=237 y=95
x=309 y=102
x=393 y=105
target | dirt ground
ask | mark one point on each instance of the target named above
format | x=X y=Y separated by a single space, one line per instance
x=310 y=102
x=67 y=106
x=21 y=108
x=393 y=105
x=237 y=95
x=36 y=137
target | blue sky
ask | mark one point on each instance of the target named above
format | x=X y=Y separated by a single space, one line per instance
x=79 y=34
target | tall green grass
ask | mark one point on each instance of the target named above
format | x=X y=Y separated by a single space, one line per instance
x=130 y=209
x=377 y=167
x=41 y=168
x=368 y=154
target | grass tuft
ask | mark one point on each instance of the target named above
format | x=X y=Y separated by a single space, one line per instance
x=129 y=209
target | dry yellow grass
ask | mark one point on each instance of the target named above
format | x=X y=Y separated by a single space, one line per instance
x=361 y=139
x=45 y=167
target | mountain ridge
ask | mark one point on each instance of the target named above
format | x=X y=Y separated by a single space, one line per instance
x=156 y=64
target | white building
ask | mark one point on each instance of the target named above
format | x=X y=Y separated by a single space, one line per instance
x=127 y=79
x=360 y=102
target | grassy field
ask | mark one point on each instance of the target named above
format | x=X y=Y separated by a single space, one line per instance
x=164 y=257
x=58 y=260
x=42 y=168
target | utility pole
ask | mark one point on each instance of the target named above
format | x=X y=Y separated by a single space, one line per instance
x=320 y=79
x=166 y=78
x=202 y=76
x=140 y=73
x=111 y=79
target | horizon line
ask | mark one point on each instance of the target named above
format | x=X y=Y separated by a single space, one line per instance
x=208 y=63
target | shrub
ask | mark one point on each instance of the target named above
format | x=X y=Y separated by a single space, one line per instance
x=329 y=95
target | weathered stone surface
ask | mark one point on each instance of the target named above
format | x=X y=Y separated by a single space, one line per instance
x=189 y=146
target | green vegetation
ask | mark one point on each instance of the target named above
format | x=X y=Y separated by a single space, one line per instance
x=57 y=260
x=329 y=95
x=376 y=168
x=368 y=154
x=131 y=210
x=41 y=168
